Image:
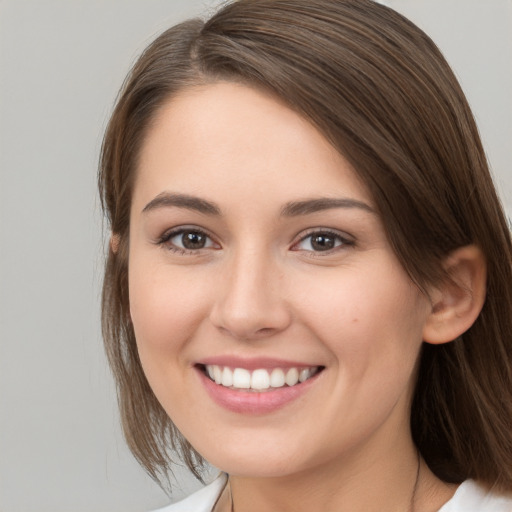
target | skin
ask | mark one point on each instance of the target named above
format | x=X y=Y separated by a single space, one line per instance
x=258 y=288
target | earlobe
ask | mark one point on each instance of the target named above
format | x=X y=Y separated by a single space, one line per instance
x=458 y=300
x=114 y=242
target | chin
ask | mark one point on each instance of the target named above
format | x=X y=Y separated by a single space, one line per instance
x=260 y=458
x=263 y=467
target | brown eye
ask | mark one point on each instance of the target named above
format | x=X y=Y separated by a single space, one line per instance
x=193 y=240
x=183 y=240
x=322 y=241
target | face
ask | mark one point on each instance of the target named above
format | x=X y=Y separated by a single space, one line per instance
x=273 y=321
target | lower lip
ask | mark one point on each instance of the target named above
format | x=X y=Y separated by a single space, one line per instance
x=253 y=402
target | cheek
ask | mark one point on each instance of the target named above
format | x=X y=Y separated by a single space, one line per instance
x=373 y=331
x=370 y=319
x=166 y=308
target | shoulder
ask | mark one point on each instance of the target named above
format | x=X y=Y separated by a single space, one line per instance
x=472 y=497
x=201 y=501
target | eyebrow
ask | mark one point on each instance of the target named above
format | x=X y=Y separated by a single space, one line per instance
x=291 y=209
x=167 y=199
x=309 y=206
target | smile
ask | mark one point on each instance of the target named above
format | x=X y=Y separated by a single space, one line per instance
x=256 y=386
x=260 y=379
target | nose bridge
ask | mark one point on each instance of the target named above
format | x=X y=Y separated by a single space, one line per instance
x=251 y=303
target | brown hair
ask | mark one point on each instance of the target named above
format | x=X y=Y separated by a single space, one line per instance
x=379 y=89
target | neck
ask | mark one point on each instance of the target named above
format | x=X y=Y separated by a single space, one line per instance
x=389 y=484
x=385 y=482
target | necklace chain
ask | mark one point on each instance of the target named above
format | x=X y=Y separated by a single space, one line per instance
x=415 y=488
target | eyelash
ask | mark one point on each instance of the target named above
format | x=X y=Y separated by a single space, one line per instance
x=164 y=241
x=343 y=241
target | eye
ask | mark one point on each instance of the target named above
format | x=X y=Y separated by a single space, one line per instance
x=186 y=240
x=190 y=240
x=322 y=241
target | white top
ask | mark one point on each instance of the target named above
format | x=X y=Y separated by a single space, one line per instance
x=469 y=497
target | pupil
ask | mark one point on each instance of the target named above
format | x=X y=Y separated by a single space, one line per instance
x=322 y=242
x=193 y=240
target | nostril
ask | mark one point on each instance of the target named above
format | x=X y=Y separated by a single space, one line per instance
x=246 y=310
x=265 y=330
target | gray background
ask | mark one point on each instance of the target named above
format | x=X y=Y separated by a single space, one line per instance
x=61 y=63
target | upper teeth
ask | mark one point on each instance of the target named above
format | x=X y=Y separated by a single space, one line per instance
x=260 y=379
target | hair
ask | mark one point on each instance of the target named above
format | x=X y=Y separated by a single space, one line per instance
x=381 y=92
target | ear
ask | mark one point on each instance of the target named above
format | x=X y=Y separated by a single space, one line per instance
x=458 y=300
x=114 y=242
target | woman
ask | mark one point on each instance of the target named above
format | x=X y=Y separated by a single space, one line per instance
x=308 y=282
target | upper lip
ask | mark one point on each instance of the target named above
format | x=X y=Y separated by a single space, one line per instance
x=253 y=363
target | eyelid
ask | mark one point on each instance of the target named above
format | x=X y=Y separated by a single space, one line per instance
x=346 y=239
x=164 y=239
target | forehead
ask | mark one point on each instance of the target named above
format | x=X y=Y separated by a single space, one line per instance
x=227 y=137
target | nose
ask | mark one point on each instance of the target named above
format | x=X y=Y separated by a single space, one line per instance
x=250 y=302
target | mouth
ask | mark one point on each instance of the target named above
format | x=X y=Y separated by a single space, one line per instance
x=259 y=380
x=257 y=386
